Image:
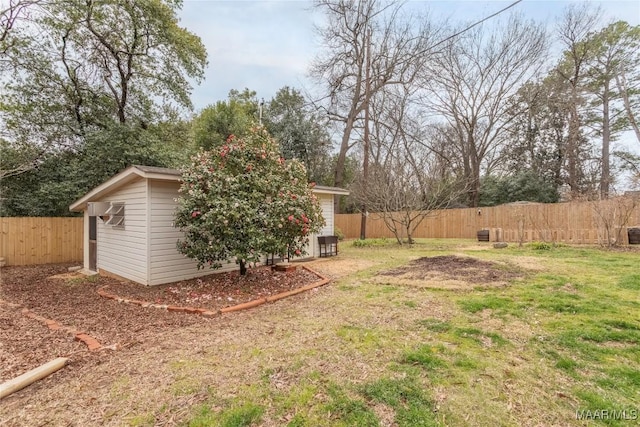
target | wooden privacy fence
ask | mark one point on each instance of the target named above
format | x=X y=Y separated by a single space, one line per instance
x=34 y=240
x=570 y=222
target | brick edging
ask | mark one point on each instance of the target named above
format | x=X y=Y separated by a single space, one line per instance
x=209 y=313
x=91 y=343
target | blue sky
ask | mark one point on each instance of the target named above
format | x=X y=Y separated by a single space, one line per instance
x=265 y=45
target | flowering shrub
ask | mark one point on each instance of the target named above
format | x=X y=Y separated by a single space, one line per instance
x=242 y=201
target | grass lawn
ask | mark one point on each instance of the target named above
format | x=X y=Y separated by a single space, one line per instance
x=553 y=338
x=560 y=342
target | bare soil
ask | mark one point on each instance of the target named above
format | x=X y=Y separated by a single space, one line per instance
x=72 y=300
x=451 y=272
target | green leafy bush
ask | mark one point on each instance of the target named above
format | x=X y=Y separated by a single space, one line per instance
x=241 y=201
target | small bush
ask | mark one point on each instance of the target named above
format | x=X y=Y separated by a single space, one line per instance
x=338 y=233
x=540 y=246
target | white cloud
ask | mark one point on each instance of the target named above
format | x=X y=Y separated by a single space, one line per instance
x=262 y=45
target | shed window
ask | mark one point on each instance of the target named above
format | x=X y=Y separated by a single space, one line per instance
x=116 y=215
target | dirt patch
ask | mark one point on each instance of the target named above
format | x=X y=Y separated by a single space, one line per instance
x=72 y=300
x=569 y=288
x=616 y=344
x=450 y=272
x=68 y=276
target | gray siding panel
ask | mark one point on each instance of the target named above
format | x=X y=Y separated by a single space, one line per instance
x=167 y=264
x=124 y=251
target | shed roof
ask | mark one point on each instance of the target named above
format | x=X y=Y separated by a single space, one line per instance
x=323 y=189
x=153 y=172
x=157 y=170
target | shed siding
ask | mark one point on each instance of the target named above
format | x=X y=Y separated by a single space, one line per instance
x=326 y=204
x=167 y=264
x=123 y=251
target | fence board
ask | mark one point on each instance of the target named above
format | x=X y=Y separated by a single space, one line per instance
x=34 y=240
x=570 y=222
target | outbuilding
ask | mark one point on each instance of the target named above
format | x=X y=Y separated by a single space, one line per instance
x=129 y=232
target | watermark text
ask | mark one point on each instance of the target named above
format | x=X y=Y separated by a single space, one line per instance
x=607 y=414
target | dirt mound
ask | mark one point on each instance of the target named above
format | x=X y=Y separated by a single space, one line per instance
x=450 y=272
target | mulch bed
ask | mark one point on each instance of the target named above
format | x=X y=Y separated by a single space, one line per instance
x=218 y=291
x=49 y=291
x=25 y=344
x=459 y=268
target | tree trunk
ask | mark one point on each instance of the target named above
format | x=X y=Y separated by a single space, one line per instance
x=572 y=143
x=342 y=158
x=621 y=83
x=243 y=268
x=474 y=190
x=365 y=139
x=409 y=237
x=605 y=178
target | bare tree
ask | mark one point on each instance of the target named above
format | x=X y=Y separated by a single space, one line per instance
x=578 y=20
x=631 y=164
x=469 y=85
x=397 y=47
x=403 y=191
x=612 y=217
x=406 y=182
